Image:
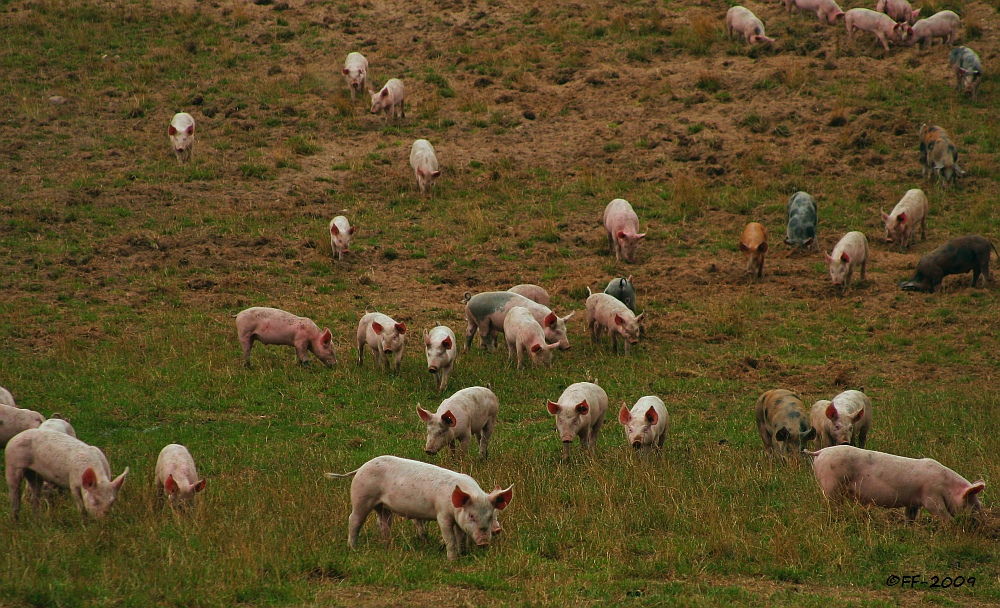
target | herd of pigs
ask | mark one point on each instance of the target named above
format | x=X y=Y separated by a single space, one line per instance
x=47 y=453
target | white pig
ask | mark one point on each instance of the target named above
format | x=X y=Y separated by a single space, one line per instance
x=646 y=424
x=899 y=10
x=355 y=71
x=851 y=251
x=395 y=486
x=384 y=336
x=58 y=424
x=176 y=476
x=844 y=421
x=606 y=312
x=469 y=412
x=181 y=134
x=341 y=232
x=826 y=10
x=944 y=25
x=579 y=413
x=523 y=334
x=532 y=292
x=6 y=398
x=424 y=163
x=391 y=98
x=902 y=222
x=273 y=326
x=65 y=462
x=742 y=20
x=442 y=351
x=879 y=24
x=890 y=481
x=622 y=226
x=13 y=420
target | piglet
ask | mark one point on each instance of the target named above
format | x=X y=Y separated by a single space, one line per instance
x=579 y=412
x=176 y=476
x=893 y=482
x=646 y=424
x=826 y=10
x=902 y=222
x=442 y=351
x=6 y=398
x=58 y=424
x=424 y=163
x=850 y=251
x=753 y=244
x=801 y=226
x=843 y=421
x=65 y=462
x=471 y=412
x=609 y=314
x=356 y=72
x=880 y=24
x=968 y=69
x=390 y=99
x=944 y=25
x=957 y=256
x=899 y=10
x=783 y=423
x=532 y=292
x=938 y=155
x=423 y=492
x=384 y=336
x=181 y=132
x=622 y=226
x=741 y=20
x=341 y=232
x=523 y=334
x=13 y=420
x=273 y=326
x=622 y=290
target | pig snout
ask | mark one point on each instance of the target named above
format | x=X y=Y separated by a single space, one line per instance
x=430 y=452
x=636 y=444
x=387 y=351
x=432 y=369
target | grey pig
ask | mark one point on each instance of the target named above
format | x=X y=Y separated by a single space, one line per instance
x=486 y=312
x=957 y=256
x=622 y=290
x=801 y=228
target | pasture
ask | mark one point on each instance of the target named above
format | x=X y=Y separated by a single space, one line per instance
x=121 y=270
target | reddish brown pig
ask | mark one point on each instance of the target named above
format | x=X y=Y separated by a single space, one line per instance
x=753 y=244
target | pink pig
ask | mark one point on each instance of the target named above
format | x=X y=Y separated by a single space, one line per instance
x=176 y=476
x=390 y=99
x=886 y=480
x=606 y=312
x=742 y=20
x=826 y=10
x=384 y=336
x=274 y=326
x=879 y=24
x=899 y=10
x=902 y=222
x=341 y=232
x=622 y=226
x=942 y=25
x=851 y=251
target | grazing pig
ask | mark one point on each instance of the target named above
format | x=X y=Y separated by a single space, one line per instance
x=742 y=21
x=341 y=232
x=942 y=25
x=176 y=476
x=181 y=132
x=6 y=398
x=850 y=251
x=469 y=412
x=608 y=313
x=646 y=424
x=441 y=350
x=485 y=313
x=423 y=492
x=899 y=10
x=902 y=222
x=424 y=163
x=384 y=336
x=622 y=226
x=65 y=462
x=532 y=292
x=579 y=413
x=273 y=326
x=524 y=334
x=13 y=420
x=356 y=72
x=801 y=227
x=826 y=10
x=968 y=69
x=893 y=482
x=957 y=256
x=783 y=423
x=753 y=244
x=59 y=425
x=938 y=155
x=391 y=98
x=879 y=24
x=622 y=290
x=843 y=421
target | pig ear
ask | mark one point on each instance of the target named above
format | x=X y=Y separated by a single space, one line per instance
x=640 y=316
x=191 y=130
x=566 y=318
x=831 y=412
x=974 y=489
x=743 y=247
x=762 y=248
x=327 y=337
x=553 y=407
x=845 y=258
x=385 y=93
x=89 y=478
x=782 y=434
x=350 y=230
x=198 y=487
x=117 y=483
x=811 y=434
x=629 y=279
x=459 y=498
x=501 y=500
x=334 y=229
x=346 y=71
x=377 y=327
x=624 y=415
x=424 y=414
x=172 y=130
x=170 y=485
x=651 y=416
x=885 y=216
x=401 y=328
x=619 y=320
x=582 y=408
x=427 y=338
x=859 y=415
x=550 y=319
x=621 y=234
x=436 y=174
x=447 y=343
x=640 y=236
x=449 y=418
x=536 y=347
x=901 y=218
x=827 y=257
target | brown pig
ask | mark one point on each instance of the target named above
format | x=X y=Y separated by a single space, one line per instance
x=753 y=244
x=783 y=423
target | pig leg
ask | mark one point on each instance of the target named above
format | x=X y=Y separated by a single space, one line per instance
x=566 y=446
x=511 y=348
x=442 y=380
x=421 y=528
x=659 y=442
x=625 y=343
x=760 y=269
x=911 y=513
x=302 y=350
x=399 y=359
x=246 y=341
x=448 y=529
x=470 y=330
x=976 y=271
x=384 y=523
x=14 y=477
x=939 y=508
x=464 y=443
x=923 y=228
x=594 y=430
x=361 y=348
x=35 y=489
x=882 y=39
x=864 y=265
x=766 y=437
x=354 y=523
x=484 y=440
x=486 y=335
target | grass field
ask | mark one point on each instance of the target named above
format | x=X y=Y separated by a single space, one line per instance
x=121 y=270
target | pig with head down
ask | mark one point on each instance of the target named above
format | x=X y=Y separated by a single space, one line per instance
x=384 y=336
x=13 y=420
x=753 y=244
x=850 y=251
x=579 y=412
x=741 y=20
x=901 y=224
x=442 y=351
x=424 y=163
x=6 y=398
x=176 y=476
x=471 y=412
x=58 y=424
x=181 y=133
x=899 y=10
x=880 y=24
x=622 y=290
x=341 y=232
x=843 y=421
x=391 y=99
x=274 y=326
x=532 y=292
x=524 y=335
x=622 y=225
x=826 y=10
x=801 y=226
x=943 y=24
x=957 y=256
x=355 y=72
x=968 y=69
x=423 y=492
x=486 y=312
x=605 y=313
x=646 y=424
x=845 y=472
x=783 y=423
x=938 y=155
